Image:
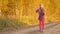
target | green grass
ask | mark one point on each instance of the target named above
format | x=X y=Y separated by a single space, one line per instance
x=10 y=24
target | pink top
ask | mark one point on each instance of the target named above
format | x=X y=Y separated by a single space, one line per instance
x=41 y=13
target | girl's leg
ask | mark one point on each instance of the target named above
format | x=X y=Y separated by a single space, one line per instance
x=41 y=26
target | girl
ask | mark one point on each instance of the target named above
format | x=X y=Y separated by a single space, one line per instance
x=40 y=11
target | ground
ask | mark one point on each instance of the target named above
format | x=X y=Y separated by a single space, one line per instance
x=51 y=28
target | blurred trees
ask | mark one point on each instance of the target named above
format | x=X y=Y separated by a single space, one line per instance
x=25 y=10
x=9 y=7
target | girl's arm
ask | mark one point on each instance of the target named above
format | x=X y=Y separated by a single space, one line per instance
x=36 y=11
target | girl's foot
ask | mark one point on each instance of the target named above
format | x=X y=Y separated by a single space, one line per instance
x=41 y=30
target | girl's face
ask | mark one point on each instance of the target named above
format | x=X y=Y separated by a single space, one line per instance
x=41 y=6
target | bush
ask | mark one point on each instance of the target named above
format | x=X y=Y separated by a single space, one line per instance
x=10 y=24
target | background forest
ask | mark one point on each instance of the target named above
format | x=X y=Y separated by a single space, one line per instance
x=18 y=13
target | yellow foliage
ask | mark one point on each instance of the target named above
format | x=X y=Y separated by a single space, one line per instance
x=51 y=9
x=26 y=10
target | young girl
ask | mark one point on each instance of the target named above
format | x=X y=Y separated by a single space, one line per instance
x=41 y=13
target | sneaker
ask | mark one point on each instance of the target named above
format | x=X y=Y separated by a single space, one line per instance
x=42 y=30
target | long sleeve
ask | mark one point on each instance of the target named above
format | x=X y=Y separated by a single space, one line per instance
x=36 y=11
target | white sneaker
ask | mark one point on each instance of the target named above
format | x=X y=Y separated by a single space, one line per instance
x=42 y=30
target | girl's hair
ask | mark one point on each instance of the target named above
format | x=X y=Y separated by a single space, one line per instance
x=41 y=6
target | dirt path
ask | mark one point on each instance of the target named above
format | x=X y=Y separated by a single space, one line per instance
x=52 y=28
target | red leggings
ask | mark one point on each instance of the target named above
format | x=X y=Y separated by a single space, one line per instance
x=41 y=25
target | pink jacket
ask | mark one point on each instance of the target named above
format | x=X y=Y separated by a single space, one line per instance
x=41 y=13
